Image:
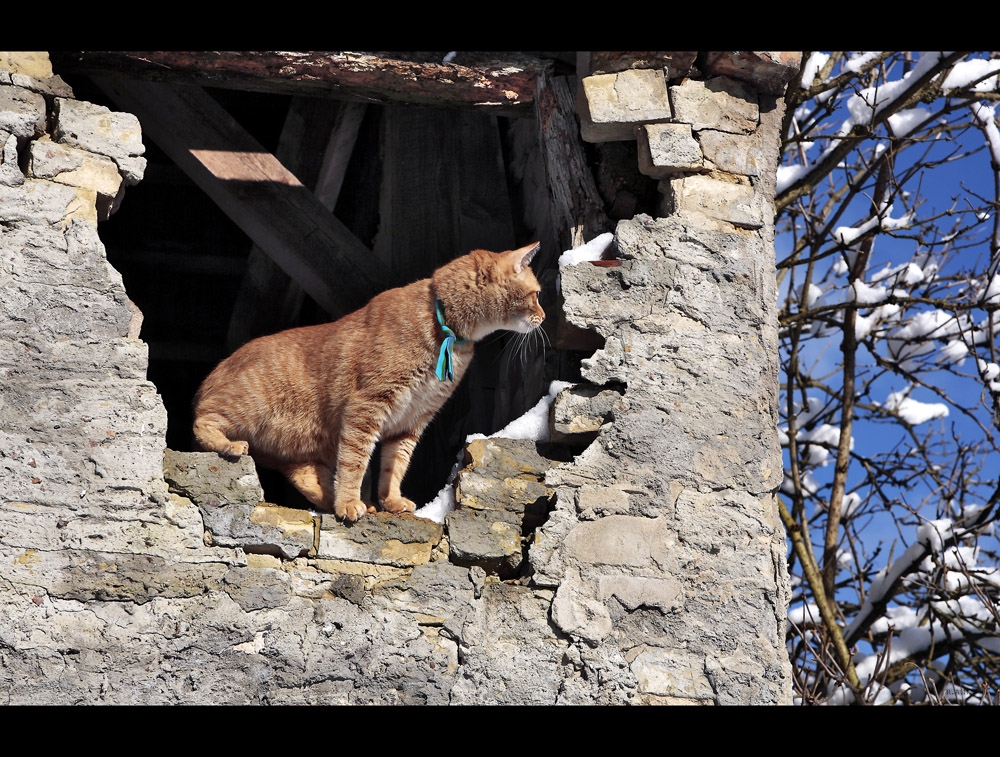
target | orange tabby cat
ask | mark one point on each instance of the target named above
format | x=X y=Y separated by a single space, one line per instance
x=313 y=401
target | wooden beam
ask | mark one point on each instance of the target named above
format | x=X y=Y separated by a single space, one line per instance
x=254 y=189
x=503 y=83
x=577 y=208
x=316 y=141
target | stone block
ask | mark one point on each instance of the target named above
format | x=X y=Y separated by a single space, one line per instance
x=733 y=153
x=101 y=130
x=402 y=540
x=433 y=594
x=22 y=112
x=505 y=474
x=675 y=64
x=207 y=477
x=729 y=201
x=490 y=539
x=76 y=168
x=767 y=71
x=34 y=64
x=614 y=104
x=578 y=413
x=665 y=149
x=10 y=171
x=230 y=498
x=298 y=527
x=719 y=103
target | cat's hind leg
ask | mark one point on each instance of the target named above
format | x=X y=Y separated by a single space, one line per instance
x=314 y=480
x=210 y=437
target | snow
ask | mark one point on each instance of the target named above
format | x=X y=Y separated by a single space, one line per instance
x=856 y=64
x=534 y=425
x=933 y=532
x=867 y=295
x=992 y=293
x=913 y=412
x=592 y=250
x=444 y=502
x=965 y=72
x=989 y=371
x=788 y=175
x=811 y=67
x=954 y=352
x=986 y=116
x=905 y=121
x=805 y=613
x=869 y=102
x=848 y=235
x=826 y=435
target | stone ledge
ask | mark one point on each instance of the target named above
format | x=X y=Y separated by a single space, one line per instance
x=230 y=498
x=402 y=540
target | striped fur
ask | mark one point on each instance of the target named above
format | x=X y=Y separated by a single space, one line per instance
x=312 y=402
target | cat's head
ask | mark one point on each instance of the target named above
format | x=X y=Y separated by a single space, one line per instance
x=486 y=291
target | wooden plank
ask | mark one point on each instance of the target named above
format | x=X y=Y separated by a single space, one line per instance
x=338 y=152
x=254 y=189
x=443 y=190
x=316 y=141
x=578 y=210
x=503 y=83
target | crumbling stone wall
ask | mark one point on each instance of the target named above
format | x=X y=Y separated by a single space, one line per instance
x=132 y=574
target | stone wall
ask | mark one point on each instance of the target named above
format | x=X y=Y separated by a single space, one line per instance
x=130 y=574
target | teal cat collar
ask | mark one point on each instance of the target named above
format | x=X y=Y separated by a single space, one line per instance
x=445 y=356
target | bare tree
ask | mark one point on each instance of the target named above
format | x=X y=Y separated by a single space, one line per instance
x=888 y=247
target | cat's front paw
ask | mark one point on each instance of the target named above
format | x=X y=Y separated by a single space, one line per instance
x=235 y=449
x=398 y=505
x=350 y=510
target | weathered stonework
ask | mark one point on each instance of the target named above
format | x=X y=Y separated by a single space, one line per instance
x=665 y=149
x=614 y=104
x=657 y=577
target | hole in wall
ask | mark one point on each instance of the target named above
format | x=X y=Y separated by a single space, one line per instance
x=183 y=261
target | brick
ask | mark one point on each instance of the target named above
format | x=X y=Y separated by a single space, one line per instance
x=22 y=112
x=665 y=149
x=490 y=539
x=734 y=202
x=733 y=153
x=98 y=129
x=614 y=104
x=10 y=172
x=719 y=103
x=74 y=168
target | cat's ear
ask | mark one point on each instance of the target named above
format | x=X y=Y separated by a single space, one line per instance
x=521 y=258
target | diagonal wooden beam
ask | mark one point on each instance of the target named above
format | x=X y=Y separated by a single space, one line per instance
x=316 y=143
x=254 y=189
x=502 y=82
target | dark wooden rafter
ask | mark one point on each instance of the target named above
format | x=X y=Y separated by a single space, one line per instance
x=254 y=189
x=503 y=83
